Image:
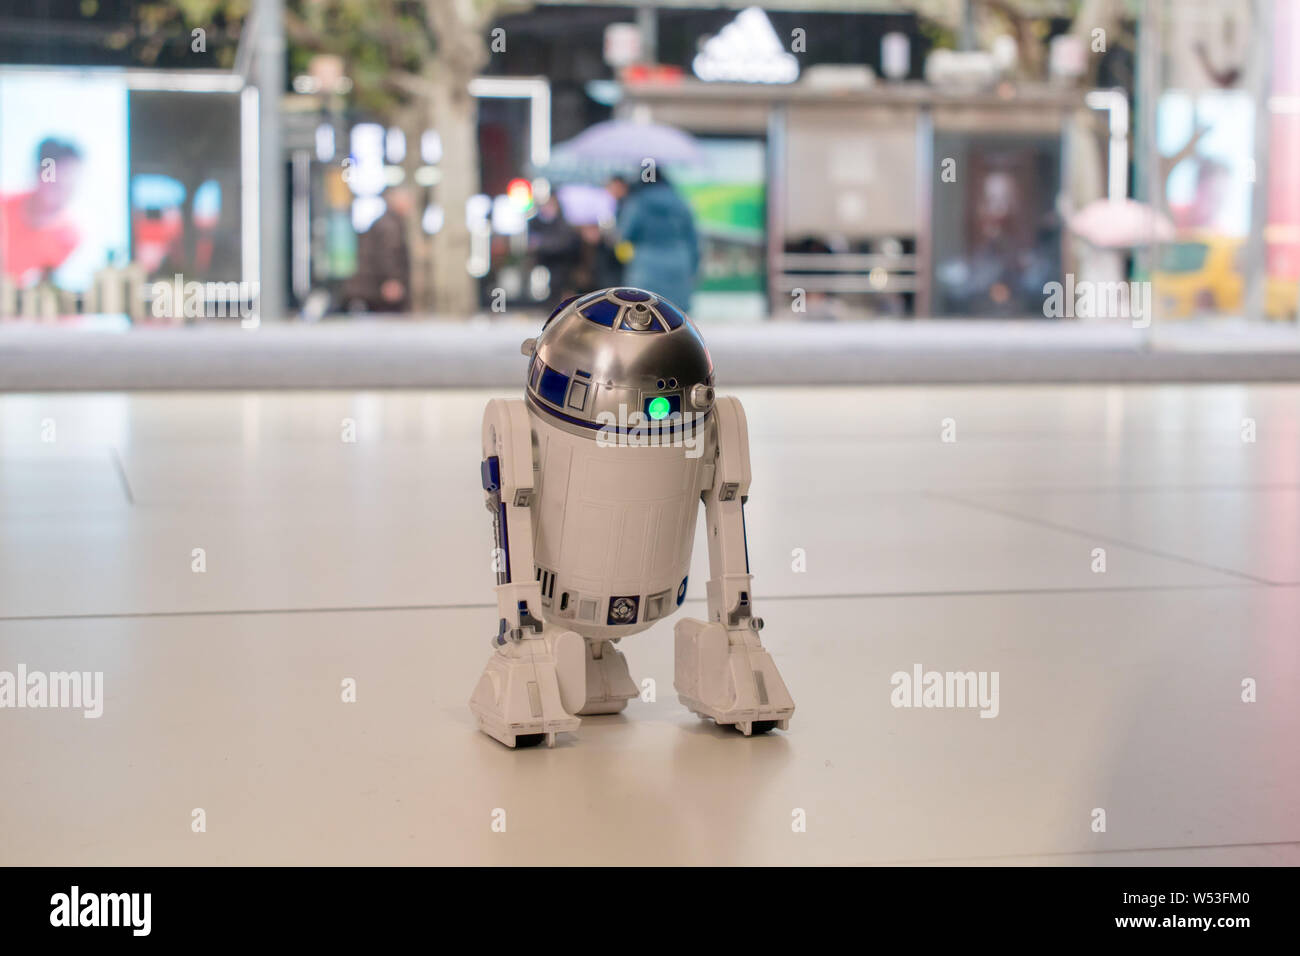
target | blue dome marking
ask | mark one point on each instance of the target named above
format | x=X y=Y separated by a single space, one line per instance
x=602 y=312
x=558 y=309
x=553 y=386
x=672 y=316
x=632 y=295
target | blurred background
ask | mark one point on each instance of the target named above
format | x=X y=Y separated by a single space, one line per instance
x=264 y=262
x=389 y=191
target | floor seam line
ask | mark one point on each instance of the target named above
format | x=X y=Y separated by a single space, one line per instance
x=121 y=474
x=1067 y=853
x=884 y=595
x=1108 y=539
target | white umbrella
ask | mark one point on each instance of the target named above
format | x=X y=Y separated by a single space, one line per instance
x=1121 y=223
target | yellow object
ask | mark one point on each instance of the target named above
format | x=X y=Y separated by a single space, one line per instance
x=1281 y=297
x=1202 y=272
x=624 y=252
x=1198 y=273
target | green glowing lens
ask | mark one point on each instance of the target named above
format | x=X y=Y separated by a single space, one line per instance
x=659 y=408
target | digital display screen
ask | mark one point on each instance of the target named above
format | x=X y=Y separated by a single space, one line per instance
x=93 y=173
x=63 y=177
x=185 y=187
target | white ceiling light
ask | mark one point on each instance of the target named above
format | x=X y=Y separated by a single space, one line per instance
x=746 y=50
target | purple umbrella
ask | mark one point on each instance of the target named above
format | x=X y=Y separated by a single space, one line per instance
x=586 y=205
x=619 y=145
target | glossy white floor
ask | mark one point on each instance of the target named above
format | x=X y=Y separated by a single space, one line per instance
x=327 y=560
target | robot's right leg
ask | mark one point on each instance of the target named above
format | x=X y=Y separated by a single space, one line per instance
x=726 y=674
x=536 y=680
x=531 y=688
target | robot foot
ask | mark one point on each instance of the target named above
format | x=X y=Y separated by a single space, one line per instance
x=609 y=686
x=728 y=676
x=531 y=689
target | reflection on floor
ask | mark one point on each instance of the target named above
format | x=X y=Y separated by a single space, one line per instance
x=1126 y=559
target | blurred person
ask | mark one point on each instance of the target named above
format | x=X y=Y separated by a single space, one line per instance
x=661 y=252
x=555 y=246
x=37 y=233
x=597 y=266
x=382 y=282
x=618 y=188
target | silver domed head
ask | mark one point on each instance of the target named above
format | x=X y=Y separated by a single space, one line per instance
x=623 y=353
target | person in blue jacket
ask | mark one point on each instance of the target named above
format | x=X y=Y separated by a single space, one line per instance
x=657 y=229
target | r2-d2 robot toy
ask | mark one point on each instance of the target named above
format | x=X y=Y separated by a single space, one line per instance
x=594 y=480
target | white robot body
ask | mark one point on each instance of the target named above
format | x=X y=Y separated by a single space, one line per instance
x=614 y=529
x=594 y=482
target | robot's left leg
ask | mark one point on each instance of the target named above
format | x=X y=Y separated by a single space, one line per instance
x=725 y=673
x=722 y=670
x=609 y=685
